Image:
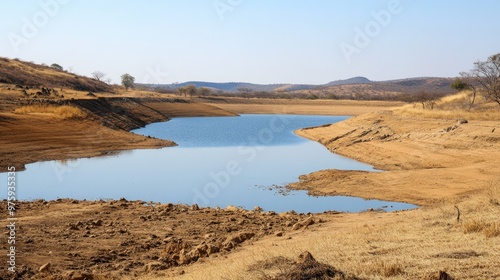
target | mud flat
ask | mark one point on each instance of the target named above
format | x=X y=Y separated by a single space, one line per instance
x=300 y=106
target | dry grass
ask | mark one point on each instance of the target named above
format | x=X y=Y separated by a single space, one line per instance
x=409 y=110
x=64 y=112
x=454 y=107
x=489 y=229
x=386 y=269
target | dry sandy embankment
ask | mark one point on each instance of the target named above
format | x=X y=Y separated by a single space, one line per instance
x=299 y=106
x=425 y=160
x=27 y=138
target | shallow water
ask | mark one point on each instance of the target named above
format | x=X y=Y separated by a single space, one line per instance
x=219 y=161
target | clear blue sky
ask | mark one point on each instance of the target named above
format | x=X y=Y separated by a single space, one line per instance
x=259 y=41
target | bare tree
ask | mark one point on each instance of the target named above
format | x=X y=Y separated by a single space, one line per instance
x=428 y=100
x=486 y=76
x=98 y=75
x=471 y=85
x=204 y=91
x=189 y=89
x=182 y=91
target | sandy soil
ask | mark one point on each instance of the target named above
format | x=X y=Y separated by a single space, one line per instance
x=426 y=160
x=307 y=107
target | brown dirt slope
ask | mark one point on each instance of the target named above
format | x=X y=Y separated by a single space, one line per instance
x=27 y=138
x=28 y=74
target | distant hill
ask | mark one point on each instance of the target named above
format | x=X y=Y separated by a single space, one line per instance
x=17 y=72
x=228 y=87
x=351 y=81
x=13 y=71
x=354 y=88
x=239 y=86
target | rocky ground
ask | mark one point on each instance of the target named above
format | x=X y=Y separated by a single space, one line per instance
x=68 y=239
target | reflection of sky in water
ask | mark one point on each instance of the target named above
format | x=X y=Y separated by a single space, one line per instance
x=210 y=171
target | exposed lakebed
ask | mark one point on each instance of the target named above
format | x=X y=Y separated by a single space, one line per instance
x=219 y=161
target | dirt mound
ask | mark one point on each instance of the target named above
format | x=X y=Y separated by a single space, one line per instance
x=440 y=275
x=306 y=267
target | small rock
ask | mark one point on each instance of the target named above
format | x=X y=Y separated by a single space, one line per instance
x=232 y=208
x=257 y=209
x=208 y=235
x=462 y=121
x=303 y=224
x=44 y=268
x=168 y=239
x=195 y=207
x=81 y=276
x=280 y=233
x=239 y=238
x=154 y=266
x=305 y=257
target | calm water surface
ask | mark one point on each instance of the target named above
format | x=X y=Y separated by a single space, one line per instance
x=220 y=161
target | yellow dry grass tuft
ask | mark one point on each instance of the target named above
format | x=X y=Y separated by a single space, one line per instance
x=492 y=230
x=386 y=269
x=64 y=112
x=473 y=226
x=489 y=229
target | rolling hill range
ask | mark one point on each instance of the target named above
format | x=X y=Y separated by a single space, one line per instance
x=353 y=88
x=17 y=72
